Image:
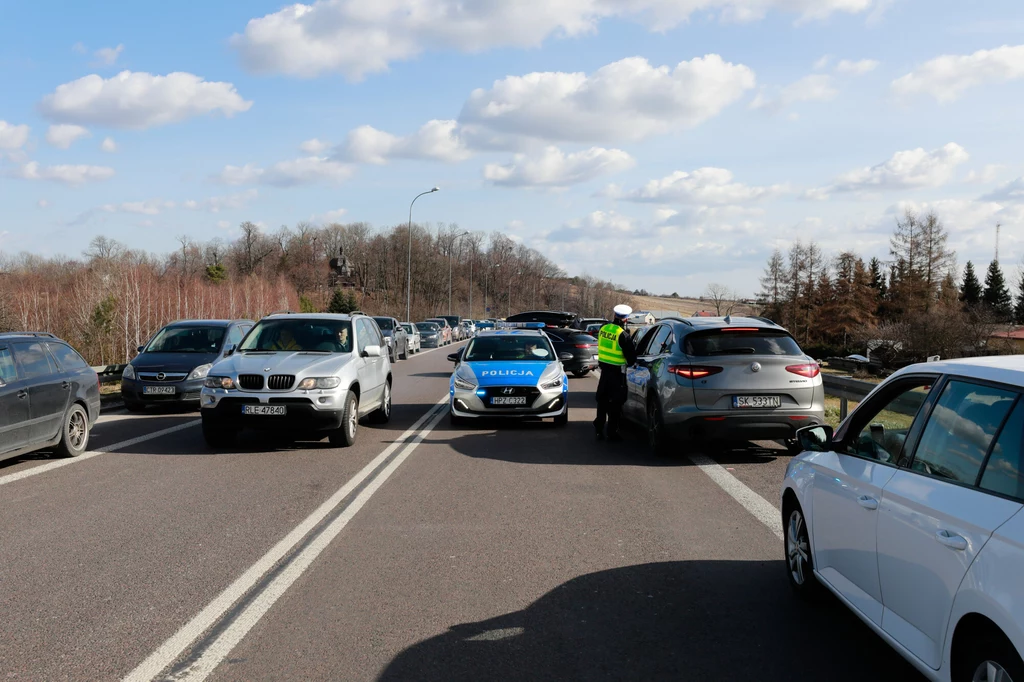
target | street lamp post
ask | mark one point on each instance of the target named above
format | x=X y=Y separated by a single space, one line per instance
x=408 y=280
x=510 y=292
x=451 y=247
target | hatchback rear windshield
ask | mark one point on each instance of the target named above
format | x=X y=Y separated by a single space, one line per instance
x=385 y=323
x=740 y=342
x=199 y=339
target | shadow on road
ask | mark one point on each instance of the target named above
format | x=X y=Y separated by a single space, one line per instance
x=686 y=620
x=432 y=375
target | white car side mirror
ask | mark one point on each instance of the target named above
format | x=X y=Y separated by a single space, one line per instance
x=371 y=352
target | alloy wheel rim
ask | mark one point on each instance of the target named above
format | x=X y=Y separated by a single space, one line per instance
x=76 y=429
x=990 y=671
x=797 y=547
x=387 y=400
x=353 y=417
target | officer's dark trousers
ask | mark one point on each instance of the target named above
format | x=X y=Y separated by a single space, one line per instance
x=611 y=396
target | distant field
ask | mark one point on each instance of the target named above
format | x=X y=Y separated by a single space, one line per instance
x=685 y=306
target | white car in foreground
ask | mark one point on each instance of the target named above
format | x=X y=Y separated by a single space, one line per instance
x=911 y=514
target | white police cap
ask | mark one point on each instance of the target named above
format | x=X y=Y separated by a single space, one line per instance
x=622 y=311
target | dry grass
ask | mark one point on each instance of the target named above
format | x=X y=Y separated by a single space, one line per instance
x=685 y=306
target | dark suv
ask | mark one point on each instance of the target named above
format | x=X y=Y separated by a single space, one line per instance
x=550 y=318
x=49 y=396
x=172 y=366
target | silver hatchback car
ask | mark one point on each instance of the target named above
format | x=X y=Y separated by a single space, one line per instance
x=728 y=379
x=316 y=373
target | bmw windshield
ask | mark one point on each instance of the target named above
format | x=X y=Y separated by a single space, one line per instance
x=199 y=339
x=323 y=336
x=531 y=348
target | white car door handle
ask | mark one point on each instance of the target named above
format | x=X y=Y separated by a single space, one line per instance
x=867 y=502
x=951 y=540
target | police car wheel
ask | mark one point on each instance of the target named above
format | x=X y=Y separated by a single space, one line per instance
x=345 y=435
x=562 y=419
x=456 y=420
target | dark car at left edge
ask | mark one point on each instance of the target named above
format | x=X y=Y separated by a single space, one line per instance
x=172 y=366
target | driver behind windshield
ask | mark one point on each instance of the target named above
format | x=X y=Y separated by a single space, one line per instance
x=285 y=341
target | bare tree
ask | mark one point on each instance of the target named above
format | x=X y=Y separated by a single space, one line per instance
x=722 y=298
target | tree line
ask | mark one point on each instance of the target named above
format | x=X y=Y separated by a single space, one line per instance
x=114 y=298
x=913 y=305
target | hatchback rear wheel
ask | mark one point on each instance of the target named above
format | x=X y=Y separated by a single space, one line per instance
x=657 y=440
x=990 y=657
x=799 y=564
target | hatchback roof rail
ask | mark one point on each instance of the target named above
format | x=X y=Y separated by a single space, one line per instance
x=46 y=335
x=676 y=319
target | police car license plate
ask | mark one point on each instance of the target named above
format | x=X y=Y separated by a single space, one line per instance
x=509 y=400
x=756 y=401
x=265 y=410
x=158 y=390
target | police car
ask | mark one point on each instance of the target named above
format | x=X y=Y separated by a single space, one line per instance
x=511 y=371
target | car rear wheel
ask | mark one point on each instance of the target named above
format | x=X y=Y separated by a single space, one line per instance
x=990 y=657
x=799 y=563
x=74 y=435
x=580 y=373
x=657 y=439
x=345 y=435
x=217 y=435
x=382 y=415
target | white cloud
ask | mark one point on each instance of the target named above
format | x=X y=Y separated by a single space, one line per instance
x=822 y=63
x=355 y=38
x=625 y=100
x=856 y=68
x=303 y=171
x=553 y=168
x=989 y=173
x=147 y=207
x=42 y=203
x=816 y=87
x=140 y=100
x=314 y=146
x=330 y=216
x=1011 y=192
x=701 y=186
x=66 y=173
x=226 y=202
x=107 y=56
x=109 y=145
x=13 y=136
x=904 y=170
x=945 y=78
x=436 y=140
x=596 y=226
x=63 y=135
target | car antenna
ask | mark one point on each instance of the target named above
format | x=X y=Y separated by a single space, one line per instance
x=728 y=319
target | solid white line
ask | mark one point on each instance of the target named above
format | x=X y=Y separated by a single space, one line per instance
x=50 y=466
x=762 y=510
x=221 y=648
x=170 y=650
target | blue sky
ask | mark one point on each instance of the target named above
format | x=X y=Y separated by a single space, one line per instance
x=663 y=144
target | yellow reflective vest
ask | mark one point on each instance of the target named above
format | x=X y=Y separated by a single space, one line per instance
x=608 y=349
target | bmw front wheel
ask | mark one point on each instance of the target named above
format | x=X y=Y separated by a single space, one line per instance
x=345 y=435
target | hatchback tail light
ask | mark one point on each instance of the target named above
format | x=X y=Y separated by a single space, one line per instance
x=693 y=371
x=809 y=370
x=584 y=345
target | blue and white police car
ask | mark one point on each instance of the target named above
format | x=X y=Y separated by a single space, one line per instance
x=511 y=371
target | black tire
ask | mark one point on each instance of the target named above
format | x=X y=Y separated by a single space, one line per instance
x=74 y=432
x=657 y=439
x=562 y=420
x=345 y=435
x=986 y=653
x=391 y=355
x=217 y=435
x=382 y=415
x=133 y=406
x=580 y=373
x=799 y=558
x=456 y=420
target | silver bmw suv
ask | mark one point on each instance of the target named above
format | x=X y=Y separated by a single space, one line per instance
x=729 y=379
x=314 y=373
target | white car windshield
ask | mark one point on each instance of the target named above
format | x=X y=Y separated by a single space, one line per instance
x=509 y=348
x=325 y=336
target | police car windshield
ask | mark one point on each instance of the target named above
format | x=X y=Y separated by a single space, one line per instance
x=510 y=347
x=201 y=339
x=324 y=336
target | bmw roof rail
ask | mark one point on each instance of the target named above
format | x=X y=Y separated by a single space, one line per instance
x=46 y=335
x=283 y=312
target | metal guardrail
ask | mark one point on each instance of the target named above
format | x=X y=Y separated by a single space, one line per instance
x=109 y=374
x=846 y=389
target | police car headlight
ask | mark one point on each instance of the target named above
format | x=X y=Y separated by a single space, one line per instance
x=310 y=383
x=464 y=384
x=554 y=383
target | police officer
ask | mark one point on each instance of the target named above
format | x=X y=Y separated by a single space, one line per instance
x=615 y=352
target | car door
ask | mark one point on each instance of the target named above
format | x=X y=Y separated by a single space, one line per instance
x=638 y=376
x=934 y=520
x=14 y=404
x=370 y=369
x=49 y=390
x=847 y=489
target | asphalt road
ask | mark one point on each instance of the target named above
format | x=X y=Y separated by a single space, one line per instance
x=422 y=553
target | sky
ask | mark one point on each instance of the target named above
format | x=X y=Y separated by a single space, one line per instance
x=660 y=144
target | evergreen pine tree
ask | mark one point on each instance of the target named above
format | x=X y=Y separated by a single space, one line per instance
x=341 y=302
x=996 y=296
x=970 y=289
x=1018 y=310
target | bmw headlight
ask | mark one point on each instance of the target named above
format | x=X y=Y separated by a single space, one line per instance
x=199 y=372
x=129 y=372
x=554 y=383
x=219 y=382
x=309 y=383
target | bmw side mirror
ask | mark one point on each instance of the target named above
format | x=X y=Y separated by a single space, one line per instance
x=815 y=438
x=229 y=349
x=565 y=357
x=371 y=352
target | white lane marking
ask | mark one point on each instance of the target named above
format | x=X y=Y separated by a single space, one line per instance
x=50 y=466
x=170 y=650
x=762 y=510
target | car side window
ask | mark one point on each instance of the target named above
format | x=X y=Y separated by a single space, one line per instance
x=657 y=344
x=66 y=357
x=645 y=340
x=960 y=430
x=234 y=336
x=366 y=334
x=8 y=372
x=33 y=359
x=878 y=430
x=668 y=343
x=1003 y=469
